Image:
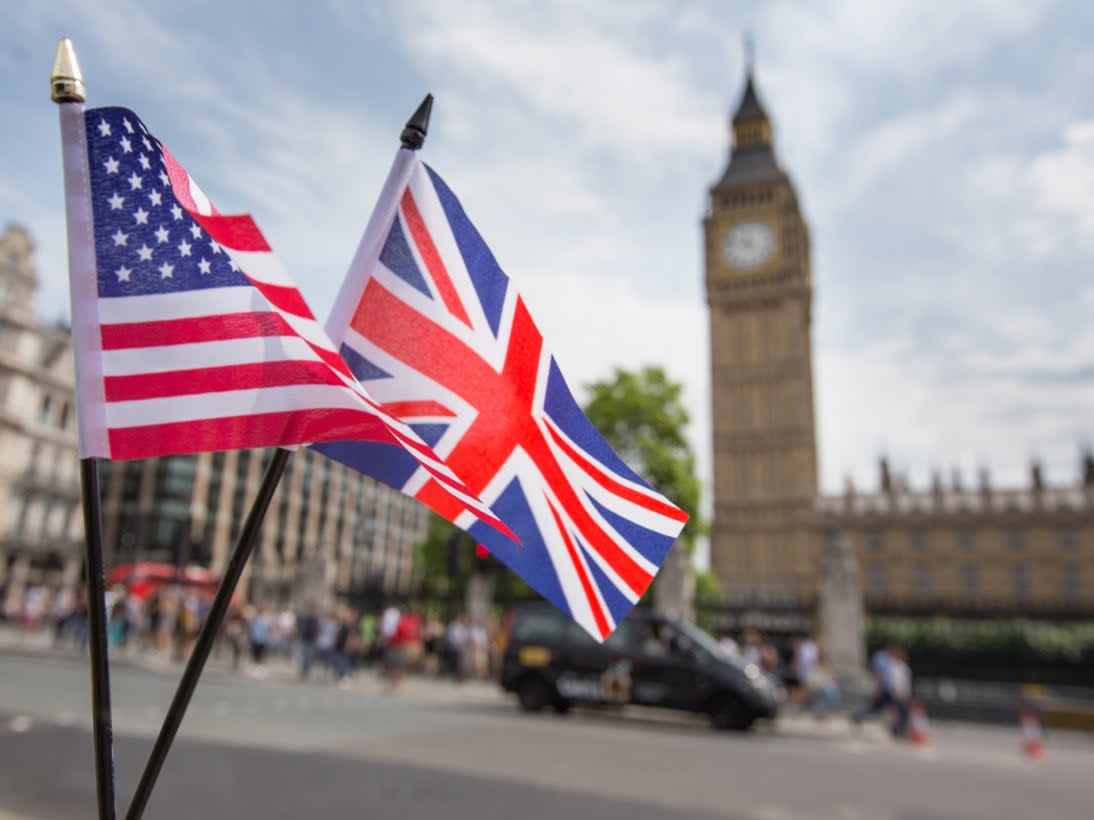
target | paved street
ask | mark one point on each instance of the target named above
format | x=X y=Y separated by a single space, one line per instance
x=272 y=748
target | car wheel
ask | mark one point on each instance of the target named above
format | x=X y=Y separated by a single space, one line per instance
x=728 y=712
x=562 y=707
x=533 y=694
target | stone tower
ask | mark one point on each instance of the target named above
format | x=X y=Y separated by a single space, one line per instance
x=760 y=295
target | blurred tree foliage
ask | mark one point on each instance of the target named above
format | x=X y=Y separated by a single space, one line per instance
x=708 y=588
x=642 y=415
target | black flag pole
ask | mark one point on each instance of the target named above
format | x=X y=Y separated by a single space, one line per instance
x=218 y=610
x=101 y=721
x=412 y=138
x=68 y=91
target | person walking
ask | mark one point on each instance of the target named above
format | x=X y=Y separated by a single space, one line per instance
x=403 y=648
x=881 y=667
x=307 y=633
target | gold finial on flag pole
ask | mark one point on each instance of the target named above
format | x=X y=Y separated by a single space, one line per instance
x=66 y=82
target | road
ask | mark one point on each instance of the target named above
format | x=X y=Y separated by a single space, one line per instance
x=274 y=748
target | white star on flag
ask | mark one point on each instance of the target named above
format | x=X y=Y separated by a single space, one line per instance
x=119 y=238
x=104 y=128
x=165 y=270
x=141 y=215
x=116 y=202
x=111 y=166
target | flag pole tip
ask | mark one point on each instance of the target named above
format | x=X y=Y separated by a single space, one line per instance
x=413 y=136
x=66 y=82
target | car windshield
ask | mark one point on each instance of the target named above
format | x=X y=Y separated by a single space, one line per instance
x=707 y=642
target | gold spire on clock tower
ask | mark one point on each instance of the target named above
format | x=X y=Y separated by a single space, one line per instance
x=760 y=295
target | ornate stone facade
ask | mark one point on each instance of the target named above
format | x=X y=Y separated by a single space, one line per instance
x=759 y=291
x=977 y=550
x=41 y=530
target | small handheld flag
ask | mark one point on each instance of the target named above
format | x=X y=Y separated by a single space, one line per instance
x=438 y=334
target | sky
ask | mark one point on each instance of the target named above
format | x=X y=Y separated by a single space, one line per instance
x=944 y=161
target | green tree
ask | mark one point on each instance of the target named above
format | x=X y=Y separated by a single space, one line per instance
x=642 y=415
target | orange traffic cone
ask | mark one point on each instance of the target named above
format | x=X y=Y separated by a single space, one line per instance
x=919 y=731
x=1033 y=742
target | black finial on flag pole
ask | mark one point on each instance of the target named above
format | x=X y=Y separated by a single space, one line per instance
x=413 y=136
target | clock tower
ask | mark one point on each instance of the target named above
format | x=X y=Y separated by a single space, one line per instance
x=759 y=291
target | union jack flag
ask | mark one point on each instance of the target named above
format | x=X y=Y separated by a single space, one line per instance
x=189 y=334
x=436 y=331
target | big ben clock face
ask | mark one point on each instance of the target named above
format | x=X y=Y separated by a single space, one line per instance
x=748 y=245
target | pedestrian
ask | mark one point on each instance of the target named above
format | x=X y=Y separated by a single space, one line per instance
x=259 y=629
x=882 y=700
x=307 y=633
x=455 y=641
x=368 y=629
x=822 y=695
x=403 y=648
x=342 y=646
x=728 y=645
x=235 y=634
x=900 y=685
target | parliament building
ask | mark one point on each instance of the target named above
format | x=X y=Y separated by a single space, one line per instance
x=946 y=548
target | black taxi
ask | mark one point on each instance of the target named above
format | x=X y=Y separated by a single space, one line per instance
x=650 y=660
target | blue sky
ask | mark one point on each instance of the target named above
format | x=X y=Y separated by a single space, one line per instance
x=944 y=159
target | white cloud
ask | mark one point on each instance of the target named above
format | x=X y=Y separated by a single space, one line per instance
x=1062 y=180
x=590 y=77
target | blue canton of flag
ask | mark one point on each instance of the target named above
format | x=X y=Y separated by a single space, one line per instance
x=145 y=240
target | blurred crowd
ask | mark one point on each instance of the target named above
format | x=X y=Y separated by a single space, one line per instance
x=330 y=644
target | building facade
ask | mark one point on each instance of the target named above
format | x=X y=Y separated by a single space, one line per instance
x=41 y=528
x=971 y=550
x=329 y=531
x=942 y=549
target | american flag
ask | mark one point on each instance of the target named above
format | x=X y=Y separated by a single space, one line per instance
x=204 y=342
x=439 y=335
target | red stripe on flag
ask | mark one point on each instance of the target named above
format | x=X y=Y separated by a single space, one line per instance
x=586 y=584
x=437 y=498
x=216 y=380
x=245 y=432
x=596 y=472
x=432 y=258
x=417 y=409
x=219 y=327
x=283 y=297
x=238 y=232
